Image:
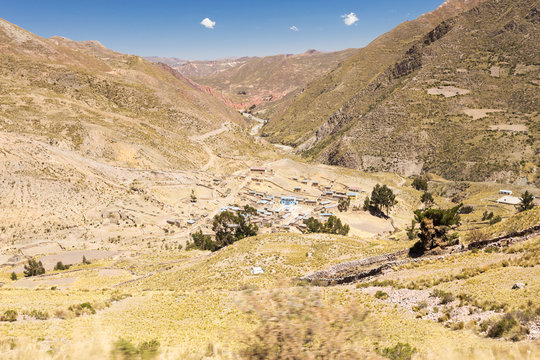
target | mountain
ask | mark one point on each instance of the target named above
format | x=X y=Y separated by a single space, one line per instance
x=108 y=106
x=260 y=81
x=453 y=95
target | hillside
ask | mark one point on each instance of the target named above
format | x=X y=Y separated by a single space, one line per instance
x=461 y=102
x=260 y=81
x=314 y=106
x=108 y=106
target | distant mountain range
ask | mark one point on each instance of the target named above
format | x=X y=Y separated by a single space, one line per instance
x=259 y=81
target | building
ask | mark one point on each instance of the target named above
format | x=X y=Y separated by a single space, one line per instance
x=297 y=189
x=288 y=200
x=509 y=200
x=315 y=183
x=505 y=192
x=258 y=169
x=352 y=195
x=354 y=189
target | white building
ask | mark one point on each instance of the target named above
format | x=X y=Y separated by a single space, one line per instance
x=509 y=200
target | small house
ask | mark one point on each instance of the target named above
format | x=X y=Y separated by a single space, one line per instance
x=352 y=195
x=256 y=270
x=297 y=189
x=505 y=192
x=288 y=200
x=258 y=169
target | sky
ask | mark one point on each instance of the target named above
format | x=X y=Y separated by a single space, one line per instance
x=208 y=29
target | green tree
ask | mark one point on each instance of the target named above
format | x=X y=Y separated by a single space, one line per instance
x=33 y=268
x=420 y=184
x=230 y=227
x=13 y=276
x=427 y=200
x=367 y=204
x=193 y=196
x=382 y=199
x=202 y=242
x=435 y=225
x=343 y=204
x=527 y=202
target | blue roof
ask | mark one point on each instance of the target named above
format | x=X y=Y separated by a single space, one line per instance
x=288 y=198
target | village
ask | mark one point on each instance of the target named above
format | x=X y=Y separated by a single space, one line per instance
x=281 y=204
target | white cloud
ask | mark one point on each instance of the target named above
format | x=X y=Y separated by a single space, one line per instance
x=294 y=28
x=207 y=23
x=349 y=19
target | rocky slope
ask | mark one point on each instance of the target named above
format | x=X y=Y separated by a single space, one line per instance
x=460 y=100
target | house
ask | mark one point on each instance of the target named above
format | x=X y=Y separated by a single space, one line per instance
x=256 y=270
x=340 y=196
x=311 y=202
x=305 y=181
x=509 y=200
x=258 y=169
x=326 y=214
x=354 y=189
x=297 y=189
x=505 y=192
x=288 y=200
x=325 y=202
x=315 y=183
x=191 y=222
x=352 y=195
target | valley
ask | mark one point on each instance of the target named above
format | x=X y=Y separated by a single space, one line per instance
x=372 y=203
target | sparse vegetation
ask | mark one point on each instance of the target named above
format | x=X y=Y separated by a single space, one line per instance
x=398 y=352
x=9 y=316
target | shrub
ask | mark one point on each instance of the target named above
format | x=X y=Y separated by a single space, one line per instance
x=399 y=352
x=13 y=276
x=381 y=295
x=509 y=327
x=81 y=309
x=85 y=261
x=125 y=350
x=444 y=297
x=60 y=266
x=467 y=209
x=9 y=315
x=495 y=220
x=39 y=315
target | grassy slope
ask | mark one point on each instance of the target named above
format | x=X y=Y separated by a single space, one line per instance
x=80 y=94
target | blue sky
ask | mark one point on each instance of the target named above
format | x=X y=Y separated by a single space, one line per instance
x=242 y=27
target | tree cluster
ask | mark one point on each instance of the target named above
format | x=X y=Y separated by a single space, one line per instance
x=229 y=227
x=332 y=226
x=33 y=268
x=381 y=201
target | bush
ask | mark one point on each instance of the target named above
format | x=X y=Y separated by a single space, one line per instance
x=60 y=266
x=487 y=215
x=399 y=352
x=82 y=309
x=508 y=327
x=381 y=295
x=13 y=276
x=33 y=268
x=467 y=209
x=39 y=315
x=495 y=220
x=125 y=350
x=444 y=297
x=9 y=315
